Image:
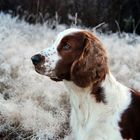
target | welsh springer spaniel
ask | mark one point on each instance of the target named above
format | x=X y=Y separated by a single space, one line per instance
x=101 y=107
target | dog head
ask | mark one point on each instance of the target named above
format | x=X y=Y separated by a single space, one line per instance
x=76 y=55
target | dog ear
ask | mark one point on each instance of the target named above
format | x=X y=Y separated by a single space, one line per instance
x=91 y=67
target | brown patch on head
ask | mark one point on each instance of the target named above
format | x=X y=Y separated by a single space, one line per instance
x=70 y=49
x=92 y=65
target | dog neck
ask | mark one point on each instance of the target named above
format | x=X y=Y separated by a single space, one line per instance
x=87 y=113
x=111 y=88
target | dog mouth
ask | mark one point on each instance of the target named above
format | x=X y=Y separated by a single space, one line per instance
x=55 y=79
x=49 y=73
x=40 y=70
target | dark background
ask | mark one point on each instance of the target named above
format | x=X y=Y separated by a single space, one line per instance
x=119 y=15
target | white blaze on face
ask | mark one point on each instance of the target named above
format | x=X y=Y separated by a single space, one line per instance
x=51 y=53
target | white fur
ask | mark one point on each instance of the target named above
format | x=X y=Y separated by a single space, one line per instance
x=98 y=121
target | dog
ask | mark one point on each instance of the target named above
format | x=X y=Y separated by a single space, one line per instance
x=101 y=107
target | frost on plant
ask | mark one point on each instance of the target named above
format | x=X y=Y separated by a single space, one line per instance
x=31 y=105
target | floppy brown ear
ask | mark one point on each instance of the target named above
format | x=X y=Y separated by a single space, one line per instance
x=91 y=67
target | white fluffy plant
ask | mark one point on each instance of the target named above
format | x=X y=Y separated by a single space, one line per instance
x=34 y=107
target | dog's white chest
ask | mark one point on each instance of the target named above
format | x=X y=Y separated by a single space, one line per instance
x=93 y=121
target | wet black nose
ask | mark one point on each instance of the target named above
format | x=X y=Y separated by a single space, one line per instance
x=36 y=59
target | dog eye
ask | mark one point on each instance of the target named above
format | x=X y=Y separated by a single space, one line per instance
x=66 y=47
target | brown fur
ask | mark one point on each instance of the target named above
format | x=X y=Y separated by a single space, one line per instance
x=92 y=65
x=76 y=42
x=130 y=120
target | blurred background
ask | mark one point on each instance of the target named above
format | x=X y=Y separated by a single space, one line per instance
x=118 y=15
x=33 y=107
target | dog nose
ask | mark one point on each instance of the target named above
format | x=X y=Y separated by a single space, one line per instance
x=38 y=58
